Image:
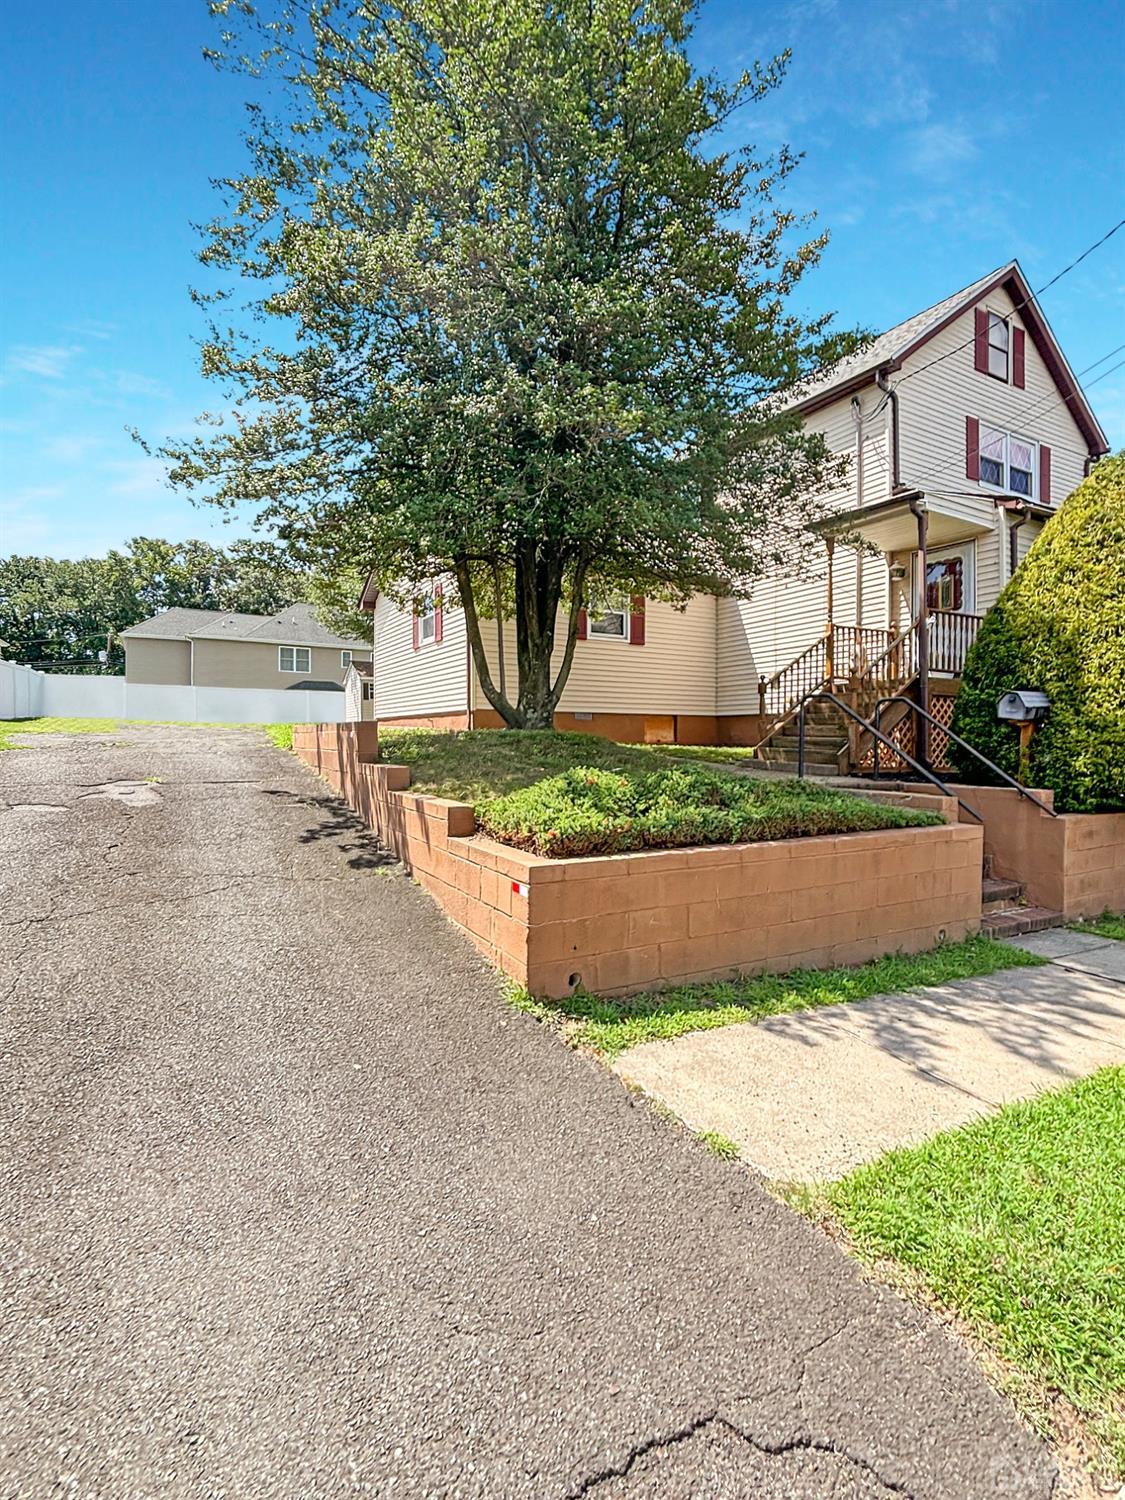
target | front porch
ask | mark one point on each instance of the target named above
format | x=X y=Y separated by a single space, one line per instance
x=934 y=581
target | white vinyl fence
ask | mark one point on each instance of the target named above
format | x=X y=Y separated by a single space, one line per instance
x=28 y=694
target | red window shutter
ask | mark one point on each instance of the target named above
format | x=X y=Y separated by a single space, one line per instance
x=637 y=620
x=1018 y=338
x=1044 y=474
x=980 y=341
x=437 y=615
x=582 y=626
x=972 y=448
x=414 y=622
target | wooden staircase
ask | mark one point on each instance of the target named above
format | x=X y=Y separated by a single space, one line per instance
x=860 y=666
x=825 y=738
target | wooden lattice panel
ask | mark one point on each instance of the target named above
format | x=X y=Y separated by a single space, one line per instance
x=903 y=735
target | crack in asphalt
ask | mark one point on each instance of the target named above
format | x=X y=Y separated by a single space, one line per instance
x=255 y=877
x=804 y=1443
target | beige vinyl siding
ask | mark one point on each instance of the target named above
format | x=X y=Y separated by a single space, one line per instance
x=431 y=680
x=1026 y=536
x=788 y=609
x=164 y=662
x=672 y=673
x=254 y=664
x=934 y=402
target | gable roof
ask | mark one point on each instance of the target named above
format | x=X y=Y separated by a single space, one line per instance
x=297 y=625
x=888 y=351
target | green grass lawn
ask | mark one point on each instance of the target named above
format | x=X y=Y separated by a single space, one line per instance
x=1108 y=925
x=561 y=795
x=475 y=765
x=1016 y=1222
x=9 y=727
x=280 y=734
x=609 y=1026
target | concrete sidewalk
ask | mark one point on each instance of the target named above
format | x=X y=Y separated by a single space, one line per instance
x=811 y=1095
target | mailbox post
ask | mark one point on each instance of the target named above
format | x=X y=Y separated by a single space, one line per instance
x=1025 y=707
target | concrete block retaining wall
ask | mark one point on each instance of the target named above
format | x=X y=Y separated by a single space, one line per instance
x=1074 y=863
x=631 y=922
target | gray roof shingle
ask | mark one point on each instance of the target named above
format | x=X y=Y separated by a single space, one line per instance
x=889 y=345
x=295 y=626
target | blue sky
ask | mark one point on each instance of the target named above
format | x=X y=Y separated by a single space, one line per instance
x=941 y=137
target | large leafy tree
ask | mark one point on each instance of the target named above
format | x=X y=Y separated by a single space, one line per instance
x=64 y=615
x=513 y=312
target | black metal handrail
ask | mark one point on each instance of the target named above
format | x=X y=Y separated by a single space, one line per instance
x=957 y=740
x=866 y=724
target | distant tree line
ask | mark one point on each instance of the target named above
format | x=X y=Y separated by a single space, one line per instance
x=67 y=616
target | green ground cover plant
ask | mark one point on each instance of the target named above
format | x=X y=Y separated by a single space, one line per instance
x=1016 y=1222
x=589 y=811
x=1109 y=925
x=568 y=794
x=610 y=1025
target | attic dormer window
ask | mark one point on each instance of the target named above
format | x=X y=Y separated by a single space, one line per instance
x=998 y=341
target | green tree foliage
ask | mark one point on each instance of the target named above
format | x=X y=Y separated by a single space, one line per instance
x=1059 y=627
x=514 y=311
x=60 y=615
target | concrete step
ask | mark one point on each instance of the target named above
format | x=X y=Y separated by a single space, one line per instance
x=825 y=755
x=812 y=768
x=999 y=895
x=1018 y=919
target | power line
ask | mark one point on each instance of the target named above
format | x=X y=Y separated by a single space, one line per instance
x=1039 y=409
x=1019 y=305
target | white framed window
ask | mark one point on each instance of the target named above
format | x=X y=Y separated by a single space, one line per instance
x=345 y=659
x=369 y=692
x=427 y=621
x=611 y=623
x=999 y=340
x=294 y=659
x=1008 y=462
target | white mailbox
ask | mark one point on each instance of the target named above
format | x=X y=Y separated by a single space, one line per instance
x=1024 y=706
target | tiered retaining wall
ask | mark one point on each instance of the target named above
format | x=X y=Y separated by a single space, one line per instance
x=631 y=922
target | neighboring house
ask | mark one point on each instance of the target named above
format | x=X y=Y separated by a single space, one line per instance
x=964 y=427
x=359 y=691
x=210 y=648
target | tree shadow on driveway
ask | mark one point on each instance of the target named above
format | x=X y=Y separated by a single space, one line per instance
x=339 y=826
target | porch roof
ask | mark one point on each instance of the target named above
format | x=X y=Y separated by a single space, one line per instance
x=892 y=526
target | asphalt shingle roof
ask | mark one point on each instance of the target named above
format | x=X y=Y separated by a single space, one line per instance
x=296 y=626
x=887 y=346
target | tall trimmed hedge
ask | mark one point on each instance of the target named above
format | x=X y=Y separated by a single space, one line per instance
x=1059 y=626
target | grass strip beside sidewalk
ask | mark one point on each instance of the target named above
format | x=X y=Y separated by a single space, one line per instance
x=609 y=1026
x=1016 y=1223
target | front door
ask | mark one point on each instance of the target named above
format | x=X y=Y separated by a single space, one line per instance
x=950 y=592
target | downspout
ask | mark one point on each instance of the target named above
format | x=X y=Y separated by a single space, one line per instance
x=918 y=511
x=857 y=411
x=892 y=396
x=922 y=739
x=1013 y=541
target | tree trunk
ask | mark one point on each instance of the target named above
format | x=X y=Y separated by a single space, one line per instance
x=539 y=584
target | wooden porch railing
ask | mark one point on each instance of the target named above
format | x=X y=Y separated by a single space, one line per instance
x=841 y=654
x=951 y=635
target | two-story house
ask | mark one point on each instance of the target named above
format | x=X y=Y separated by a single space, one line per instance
x=220 y=648
x=964 y=426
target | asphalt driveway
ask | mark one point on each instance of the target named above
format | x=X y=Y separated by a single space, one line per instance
x=295 y=1205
